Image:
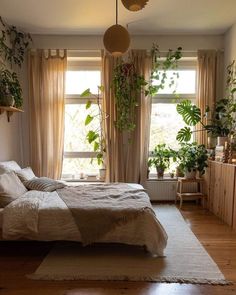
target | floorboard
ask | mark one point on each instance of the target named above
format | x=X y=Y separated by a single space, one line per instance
x=20 y=258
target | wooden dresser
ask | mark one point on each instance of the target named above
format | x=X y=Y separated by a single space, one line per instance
x=220 y=187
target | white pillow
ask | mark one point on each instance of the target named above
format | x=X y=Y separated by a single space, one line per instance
x=25 y=174
x=10 y=188
x=8 y=166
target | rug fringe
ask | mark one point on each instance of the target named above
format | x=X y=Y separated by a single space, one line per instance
x=125 y=278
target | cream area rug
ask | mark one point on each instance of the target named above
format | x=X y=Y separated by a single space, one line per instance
x=185 y=260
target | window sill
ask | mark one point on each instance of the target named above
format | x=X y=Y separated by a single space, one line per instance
x=83 y=180
x=166 y=178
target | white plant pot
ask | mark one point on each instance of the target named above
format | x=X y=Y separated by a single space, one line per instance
x=102 y=173
x=222 y=140
x=190 y=174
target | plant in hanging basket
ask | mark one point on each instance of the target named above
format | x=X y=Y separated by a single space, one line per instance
x=127 y=85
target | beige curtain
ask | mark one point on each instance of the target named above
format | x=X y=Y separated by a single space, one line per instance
x=46 y=69
x=210 y=84
x=127 y=159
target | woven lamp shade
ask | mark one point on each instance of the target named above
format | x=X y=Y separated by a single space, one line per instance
x=134 y=5
x=116 y=40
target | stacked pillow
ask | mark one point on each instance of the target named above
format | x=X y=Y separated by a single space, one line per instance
x=11 y=188
x=15 y=181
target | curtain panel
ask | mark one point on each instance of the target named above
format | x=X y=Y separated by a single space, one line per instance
x=210 y=85
x=127 y=153
x=46 y=73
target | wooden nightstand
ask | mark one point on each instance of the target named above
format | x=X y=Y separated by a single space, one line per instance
x=181 y=195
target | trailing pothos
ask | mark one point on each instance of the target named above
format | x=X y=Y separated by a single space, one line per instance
x=95 y=136
x=18 y=40
x=128 y=84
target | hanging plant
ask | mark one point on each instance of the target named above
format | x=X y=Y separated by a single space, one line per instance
x=18 y=40
x=128 y=85
x=160 y=66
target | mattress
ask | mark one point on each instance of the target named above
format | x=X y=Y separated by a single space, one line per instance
x=45 y=217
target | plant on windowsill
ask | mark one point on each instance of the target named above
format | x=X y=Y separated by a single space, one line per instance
x=128 y=84
x=222 y=119
x=161 y=159
x=96 y=137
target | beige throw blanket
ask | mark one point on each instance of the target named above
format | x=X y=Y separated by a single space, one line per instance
x=97 y=209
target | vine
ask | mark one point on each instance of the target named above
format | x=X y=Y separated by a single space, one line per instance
x=19 y=42
x=128 y=85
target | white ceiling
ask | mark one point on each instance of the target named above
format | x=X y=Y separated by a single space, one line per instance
x=95 y=16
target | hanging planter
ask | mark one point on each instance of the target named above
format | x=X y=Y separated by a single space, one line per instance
x=127 y=87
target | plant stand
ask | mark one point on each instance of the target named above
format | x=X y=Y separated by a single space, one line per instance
x=189 y=195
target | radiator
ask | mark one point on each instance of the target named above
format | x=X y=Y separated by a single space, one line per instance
x=164 y=190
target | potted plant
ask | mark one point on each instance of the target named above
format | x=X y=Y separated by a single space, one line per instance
x=10 y=89
x=221 y=120
x=193 y=158
x=96 y=137
x=161 y=159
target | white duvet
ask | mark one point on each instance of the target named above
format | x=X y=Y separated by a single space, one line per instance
x=44 y=216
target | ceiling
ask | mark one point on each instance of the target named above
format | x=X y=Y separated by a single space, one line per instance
x=94 y=17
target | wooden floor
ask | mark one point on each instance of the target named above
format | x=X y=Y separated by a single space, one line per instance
x=19 y=258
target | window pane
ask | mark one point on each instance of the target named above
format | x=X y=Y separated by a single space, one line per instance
x=73 y=167
x=165 y=124
x=78 y=81
x=75 y=130
x=186 y=83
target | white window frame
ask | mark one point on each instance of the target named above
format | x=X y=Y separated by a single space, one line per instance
x=81 y=61
x=188 y=64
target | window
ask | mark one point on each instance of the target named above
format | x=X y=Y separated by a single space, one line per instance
x=84 y=71
x=165 y=121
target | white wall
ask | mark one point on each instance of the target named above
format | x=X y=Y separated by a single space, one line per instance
x=230 y=45
x=188 y=42
x=10 y=143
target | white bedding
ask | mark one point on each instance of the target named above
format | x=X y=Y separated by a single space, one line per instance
x=44 y=216
x=1 y=216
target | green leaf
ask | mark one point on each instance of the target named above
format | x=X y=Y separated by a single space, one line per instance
x=88 y=119
x=95 y=146
x=88 y=104
x=91 y=136
x=86 y=93
x=184 y=134
x=190 y=113
x=101 y=88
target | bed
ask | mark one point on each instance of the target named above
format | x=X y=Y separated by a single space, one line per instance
x=46 y=216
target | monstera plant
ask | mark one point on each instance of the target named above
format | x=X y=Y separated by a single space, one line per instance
x=221 y=123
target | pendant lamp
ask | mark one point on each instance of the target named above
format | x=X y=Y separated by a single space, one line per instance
x=134 y=5
x=116 y=38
